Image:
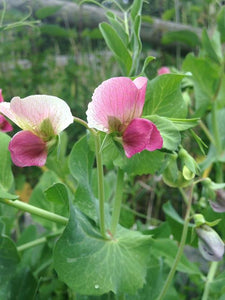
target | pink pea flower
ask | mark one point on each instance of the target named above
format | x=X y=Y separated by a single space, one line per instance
x=5 y=126
x=163 y=70
x=117 y=106
x=42 y=118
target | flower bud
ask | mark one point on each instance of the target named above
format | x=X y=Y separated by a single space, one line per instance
x=210 y=244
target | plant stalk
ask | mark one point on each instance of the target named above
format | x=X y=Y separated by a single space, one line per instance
x=37 y=242
x=180 y=249
x=117 y=201
x=101 y=193
x=36 y=211
x=209 y=279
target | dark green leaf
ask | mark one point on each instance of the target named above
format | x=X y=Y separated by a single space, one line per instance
x=145 y=162
x=205 y=78
x=164 y=97
x=176 y=223
x=208 y=47
x=91 y=265
x=81 y=163
x=168 y=249
x=187 y=37
x=221 y=23
x=56 y=30
x=47 y=11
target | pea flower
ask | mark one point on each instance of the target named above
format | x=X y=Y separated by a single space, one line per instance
x=117 y=106
x=5 y=126
x=42 y=118
x=163 y=70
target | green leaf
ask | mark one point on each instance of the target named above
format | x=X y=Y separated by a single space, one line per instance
x=6 y=195
x=186 y=37
x=208 y=47
x=168 y=249
x=9 y=259
x=54 y=30
x=136 y=44
x=118 y=27
x=145 y=162
x=176 y=223
x=146 y=62
x=81 y=162
x=6 y=176
x=164 y=97
x=205 y=78
x=58 y=199
x=117 y=46
x=184 y=124
x=170 y=134
x=47 y=11
x=136 y=9
x=221 y=23
x=156 y=276
x=23 y=285
x=91 y=265
x=38 y=197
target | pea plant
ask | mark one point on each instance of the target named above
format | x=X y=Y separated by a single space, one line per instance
x=69 y=240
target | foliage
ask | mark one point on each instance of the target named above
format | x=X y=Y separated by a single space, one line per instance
x=61 y=239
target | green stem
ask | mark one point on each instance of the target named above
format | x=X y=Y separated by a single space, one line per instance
x=215 y=128
x=82 y=122
x=3 y=13
x=209 y=279
x=37 y=242
x=117 y=201
x=101 y=193
x=207 y=132
x=36 y=211
x=180 y=249
x=126 y=23
x=186 y=199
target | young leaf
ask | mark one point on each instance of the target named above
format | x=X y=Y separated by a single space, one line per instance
x=208 y=47
x=6 y=176
x=221 y=23
x=170 y=134
x=184 y=124
x=117 y=46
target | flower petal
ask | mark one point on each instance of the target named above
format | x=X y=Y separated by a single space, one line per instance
x=141 y=134
x=5 y=126
x=1 y=97
x=117 y=100
x=28 y=113
x=27 y=149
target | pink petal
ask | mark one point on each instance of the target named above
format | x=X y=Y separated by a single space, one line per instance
x=30 y=112
x=141 y=134
x=115 y=103
x=1 y=97
x=5 y=126
x=163 y=70
x=27 y=150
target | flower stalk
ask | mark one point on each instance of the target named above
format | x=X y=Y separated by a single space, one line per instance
x=180 y=249
x=36 y=211
x=117 y=201
x=101 y=193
